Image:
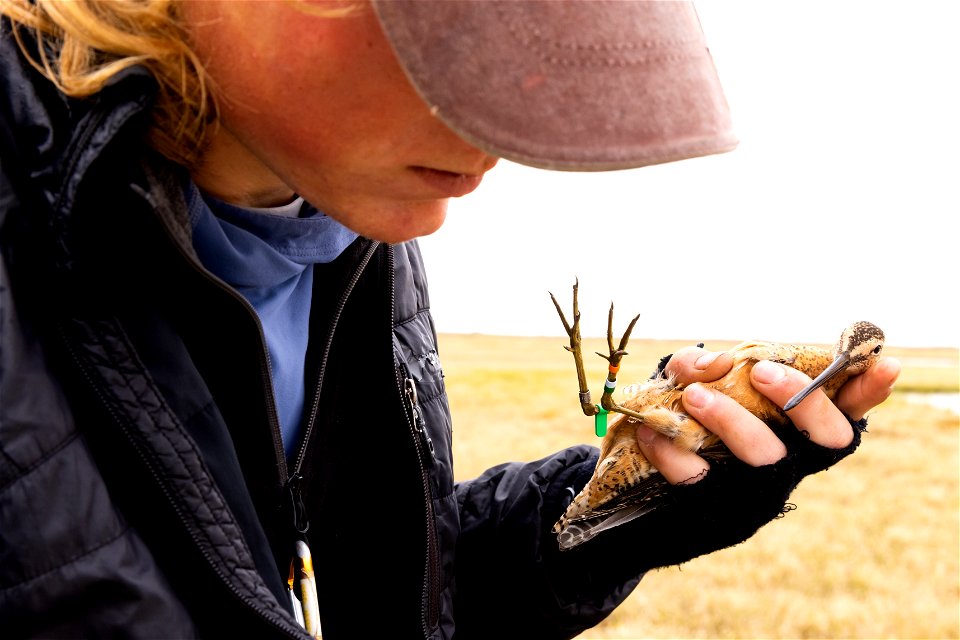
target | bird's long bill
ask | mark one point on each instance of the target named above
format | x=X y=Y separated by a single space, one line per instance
x=835 y=367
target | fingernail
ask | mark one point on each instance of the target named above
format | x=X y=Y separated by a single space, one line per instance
x=768 y=372
x=706 y=360
x=646 y=434
x=697 y=396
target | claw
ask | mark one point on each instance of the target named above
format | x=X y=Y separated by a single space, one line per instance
x=563 y=318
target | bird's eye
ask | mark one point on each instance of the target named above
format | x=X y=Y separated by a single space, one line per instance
x=877 y=350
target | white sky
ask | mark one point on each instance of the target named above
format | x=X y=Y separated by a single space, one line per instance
x=841 y=202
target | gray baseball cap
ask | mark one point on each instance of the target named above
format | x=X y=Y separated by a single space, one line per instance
x=579 y=85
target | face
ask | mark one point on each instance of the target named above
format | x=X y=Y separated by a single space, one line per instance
x=319 y=106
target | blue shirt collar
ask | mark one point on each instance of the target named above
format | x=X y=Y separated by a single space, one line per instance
x=259 y=248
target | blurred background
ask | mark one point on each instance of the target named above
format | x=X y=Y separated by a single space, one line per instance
x=841 y=203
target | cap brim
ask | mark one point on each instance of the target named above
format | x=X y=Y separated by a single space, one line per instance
x=584 y=85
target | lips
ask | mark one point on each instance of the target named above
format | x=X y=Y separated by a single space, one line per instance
x=448 y=184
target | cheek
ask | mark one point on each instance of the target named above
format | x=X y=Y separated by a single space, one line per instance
x=326 y=127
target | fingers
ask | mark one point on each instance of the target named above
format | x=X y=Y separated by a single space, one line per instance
x=677 y=466
x=693 y=364
x=866 y=391
x=816 y=415
x=745 y=435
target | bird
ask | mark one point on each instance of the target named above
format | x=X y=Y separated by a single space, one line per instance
x=624 y=484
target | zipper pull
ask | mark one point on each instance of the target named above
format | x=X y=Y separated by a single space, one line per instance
x=301 y=523
x=301 y=580
x=410 y=388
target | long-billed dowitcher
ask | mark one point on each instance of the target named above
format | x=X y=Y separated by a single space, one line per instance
x=625 y=485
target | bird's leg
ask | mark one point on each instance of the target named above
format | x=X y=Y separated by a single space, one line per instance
x=573 y=331
x=607 y=404
x=616 y=354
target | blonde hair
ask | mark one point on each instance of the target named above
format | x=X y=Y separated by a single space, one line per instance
x=82 y=44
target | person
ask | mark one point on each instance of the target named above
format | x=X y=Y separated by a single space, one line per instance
x=216 y=352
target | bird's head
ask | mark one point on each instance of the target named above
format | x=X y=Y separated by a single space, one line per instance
x=858 y=348
x=860 y=345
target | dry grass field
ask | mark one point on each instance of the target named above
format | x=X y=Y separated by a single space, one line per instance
x=871 y=552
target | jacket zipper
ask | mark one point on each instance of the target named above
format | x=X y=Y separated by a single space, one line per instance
x=302 y=579
x=325 y=356
x=430 y=592
x=277 y=622
x=266 y=367
x=416 y=414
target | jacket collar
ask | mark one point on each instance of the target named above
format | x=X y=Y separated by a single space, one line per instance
x=60 y=138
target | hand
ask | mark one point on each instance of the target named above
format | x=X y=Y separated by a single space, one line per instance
x=747 y=437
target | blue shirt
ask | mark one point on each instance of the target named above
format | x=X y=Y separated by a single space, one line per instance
x=267 y=255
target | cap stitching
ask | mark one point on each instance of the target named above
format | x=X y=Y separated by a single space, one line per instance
x=542 y=45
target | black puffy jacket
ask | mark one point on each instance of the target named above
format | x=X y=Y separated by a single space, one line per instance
x=143 y=487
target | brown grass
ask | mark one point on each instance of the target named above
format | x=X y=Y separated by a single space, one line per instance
x=871 y=552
